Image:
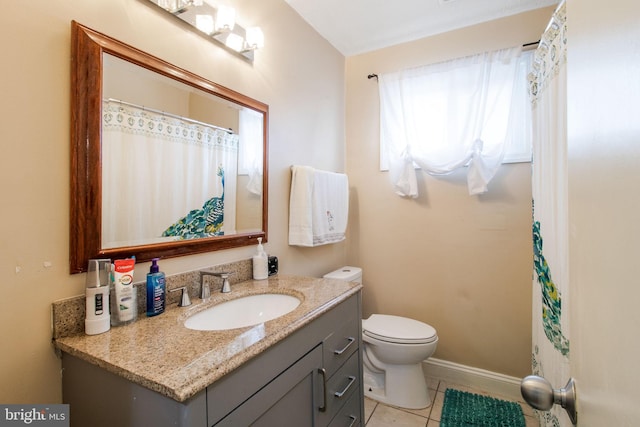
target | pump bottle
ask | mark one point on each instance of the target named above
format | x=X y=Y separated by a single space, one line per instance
x=156 y=289
x=260 y=263
x=97 y=318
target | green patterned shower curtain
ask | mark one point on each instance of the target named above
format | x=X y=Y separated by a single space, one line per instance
x=161 y=171
x=550 y=358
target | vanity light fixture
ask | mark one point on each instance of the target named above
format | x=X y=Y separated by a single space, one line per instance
x=218 y=23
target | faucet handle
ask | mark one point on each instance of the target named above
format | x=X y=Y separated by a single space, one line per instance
x=184 y=299
x=224 y=275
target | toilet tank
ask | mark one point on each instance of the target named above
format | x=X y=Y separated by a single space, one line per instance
x=350 y=274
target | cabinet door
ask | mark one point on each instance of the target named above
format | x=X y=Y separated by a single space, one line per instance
x=288 y=400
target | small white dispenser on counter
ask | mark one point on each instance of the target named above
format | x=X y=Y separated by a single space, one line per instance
x=260 y=263
x=98 y=319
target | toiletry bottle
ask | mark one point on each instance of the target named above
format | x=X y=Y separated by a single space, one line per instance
x=155 y=289
x=97 y=297
x=260 y=263
x=124 y=307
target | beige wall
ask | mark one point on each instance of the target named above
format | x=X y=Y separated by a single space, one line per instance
x=460 y=263
x=300 y=77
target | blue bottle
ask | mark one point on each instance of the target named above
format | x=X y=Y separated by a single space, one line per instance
x=156 y=289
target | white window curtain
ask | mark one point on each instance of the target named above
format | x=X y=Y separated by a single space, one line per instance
x=250 y=152
x=156 y=169
x=452 y=114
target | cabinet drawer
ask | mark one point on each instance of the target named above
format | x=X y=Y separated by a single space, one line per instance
x=349 y=415
x=340 y=387
x=341 y=344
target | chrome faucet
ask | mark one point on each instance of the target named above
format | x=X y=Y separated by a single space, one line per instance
x=205 y=292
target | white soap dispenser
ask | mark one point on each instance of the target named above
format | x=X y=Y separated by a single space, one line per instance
x=98 y=319
x=260 y=263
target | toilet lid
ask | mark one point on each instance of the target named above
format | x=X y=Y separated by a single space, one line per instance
x=398 y=329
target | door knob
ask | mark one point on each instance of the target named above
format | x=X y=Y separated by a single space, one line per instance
x=539 y=393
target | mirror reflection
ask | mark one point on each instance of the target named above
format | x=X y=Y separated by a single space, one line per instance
x=177 y=163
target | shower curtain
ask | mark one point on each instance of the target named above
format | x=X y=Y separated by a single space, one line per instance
x=159 y=170
x=548 y=89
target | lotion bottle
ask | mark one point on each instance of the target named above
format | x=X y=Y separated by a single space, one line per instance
x=156 y=289
x=260 y=263
x=97 y=318
x=124 y=306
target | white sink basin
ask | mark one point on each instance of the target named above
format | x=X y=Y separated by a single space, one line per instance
x=246 y=311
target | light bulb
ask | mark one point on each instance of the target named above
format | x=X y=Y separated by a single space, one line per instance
x=255 y=38
x=234 y=42
x=225 y=18
x=205 y=23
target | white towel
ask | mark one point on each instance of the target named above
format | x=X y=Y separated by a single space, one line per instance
x=318 y=207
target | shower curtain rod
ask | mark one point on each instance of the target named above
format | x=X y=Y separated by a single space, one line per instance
x=174 y=116
x=529 y=45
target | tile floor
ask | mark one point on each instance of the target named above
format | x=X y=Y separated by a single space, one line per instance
x=381 y=415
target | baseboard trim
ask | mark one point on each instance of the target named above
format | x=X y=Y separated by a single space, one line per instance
x=492 y=382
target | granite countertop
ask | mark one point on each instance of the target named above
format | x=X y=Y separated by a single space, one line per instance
x=159 y=353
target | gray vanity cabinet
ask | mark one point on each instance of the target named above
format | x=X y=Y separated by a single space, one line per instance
x=311 y=378
x=306 y=376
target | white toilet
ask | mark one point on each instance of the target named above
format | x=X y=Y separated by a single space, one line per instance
x=394 y=349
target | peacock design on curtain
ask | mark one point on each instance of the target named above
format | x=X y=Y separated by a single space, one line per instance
x=214 y=211
x=205 y=222
x=551 y=300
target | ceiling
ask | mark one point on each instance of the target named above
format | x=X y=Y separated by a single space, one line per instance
x=359 y=26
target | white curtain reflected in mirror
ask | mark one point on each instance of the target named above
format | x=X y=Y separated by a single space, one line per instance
x=251 y=149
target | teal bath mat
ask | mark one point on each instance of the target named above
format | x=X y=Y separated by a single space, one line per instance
x=462 y=409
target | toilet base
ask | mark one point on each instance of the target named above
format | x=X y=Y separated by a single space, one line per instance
x=403 y=386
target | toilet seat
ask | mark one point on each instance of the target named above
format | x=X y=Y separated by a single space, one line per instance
x=399 y=330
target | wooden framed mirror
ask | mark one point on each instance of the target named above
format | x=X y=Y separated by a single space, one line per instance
x=109 y=82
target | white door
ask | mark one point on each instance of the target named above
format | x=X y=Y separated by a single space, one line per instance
x=603 y=121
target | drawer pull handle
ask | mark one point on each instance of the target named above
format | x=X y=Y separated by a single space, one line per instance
x=353 y=420
x=339 y=352
x=339 y=394
x=322 y=372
